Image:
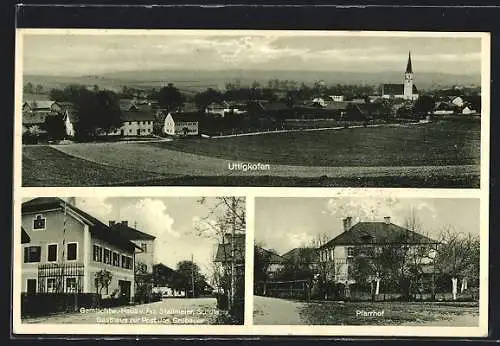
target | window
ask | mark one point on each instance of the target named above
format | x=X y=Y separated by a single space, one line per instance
x=116 y=259
x=52 y=253
x=72 y=249
x=39 y=223
x=127 y=262
x=32 y=254
x=71 y=285
x=107 y=256
x=124 y=259
x=97 y=253
x=144 y=247
x=51 y=285
x=31 y=286
x=350 y=251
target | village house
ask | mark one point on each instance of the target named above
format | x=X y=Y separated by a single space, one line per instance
x=36 y=112
x=65 y=248
x=444 y=108
x=135 y=123
x=305 y=256
x=367 y=239
x=407 y=90
x=219 y=108
x=181 y=124
x=146 y=258
x=275 y=263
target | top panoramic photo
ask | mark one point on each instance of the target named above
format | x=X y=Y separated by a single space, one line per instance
x=251 y=108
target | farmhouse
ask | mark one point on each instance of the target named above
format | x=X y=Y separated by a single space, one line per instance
x=66 y=247
x=305 y=256
x=218 y=108
x=274 y=262
x=135 y=123
x=181 y=124
x=367 y=240
x=36 y=112
x=407 y=90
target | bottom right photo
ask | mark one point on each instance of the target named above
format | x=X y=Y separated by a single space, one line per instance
x=367 y=261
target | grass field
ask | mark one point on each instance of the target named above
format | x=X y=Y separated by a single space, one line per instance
x=440 y=143
x=432 y=155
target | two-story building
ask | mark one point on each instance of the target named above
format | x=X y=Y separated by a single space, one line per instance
x=180 y=124
x=66 y=249
x=366 y=239
x=146 y=258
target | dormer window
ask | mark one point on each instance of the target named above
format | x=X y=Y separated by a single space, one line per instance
x=366 y=238
x=39 y=223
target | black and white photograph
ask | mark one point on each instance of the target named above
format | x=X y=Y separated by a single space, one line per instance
x=131 y=260
x=372 y=261
x=251 y=108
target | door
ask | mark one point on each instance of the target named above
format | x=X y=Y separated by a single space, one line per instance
x=138 y=132
x=124 y=289
x=31 y=286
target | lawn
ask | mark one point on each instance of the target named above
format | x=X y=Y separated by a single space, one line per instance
x=394 y=313
x=439 y=143
x=45 y=166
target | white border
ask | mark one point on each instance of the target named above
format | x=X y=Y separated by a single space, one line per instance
x=251 y=192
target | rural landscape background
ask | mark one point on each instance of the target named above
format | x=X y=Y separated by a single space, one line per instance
x=313 y=110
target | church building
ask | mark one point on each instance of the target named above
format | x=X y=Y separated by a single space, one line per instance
x=407 y=90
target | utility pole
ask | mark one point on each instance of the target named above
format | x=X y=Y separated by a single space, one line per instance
x=192 y=273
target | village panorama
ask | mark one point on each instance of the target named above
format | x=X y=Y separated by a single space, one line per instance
x=405 y=127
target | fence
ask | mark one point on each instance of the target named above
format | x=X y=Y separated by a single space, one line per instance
x=46 y=303
x=293 y=289
x=59 y=278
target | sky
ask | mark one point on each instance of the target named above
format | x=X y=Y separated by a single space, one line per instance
x=283 y=224
x=74 y=55
x=172 y=220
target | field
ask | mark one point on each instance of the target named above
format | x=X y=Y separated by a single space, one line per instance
x=442 y=154
x=438 y=144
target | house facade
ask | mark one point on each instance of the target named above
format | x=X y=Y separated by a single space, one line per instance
x=275 y=263
x=181 y=124
x=366 y=240
x=67 y=247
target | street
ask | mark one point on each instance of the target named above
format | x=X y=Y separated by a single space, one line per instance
x=275 y=311
x=167 y=311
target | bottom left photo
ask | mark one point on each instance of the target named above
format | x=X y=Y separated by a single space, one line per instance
x=131 y=260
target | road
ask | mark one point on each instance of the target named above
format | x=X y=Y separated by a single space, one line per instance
x=167 y=311
x=274 y=311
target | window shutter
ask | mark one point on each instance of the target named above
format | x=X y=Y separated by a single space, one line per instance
x=26 y=256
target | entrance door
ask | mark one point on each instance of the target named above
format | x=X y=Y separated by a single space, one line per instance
x=31 y=286
x=124 y=289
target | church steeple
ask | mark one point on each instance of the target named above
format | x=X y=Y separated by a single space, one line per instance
x=409 y=68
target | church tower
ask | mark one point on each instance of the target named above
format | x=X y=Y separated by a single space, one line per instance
x=408 y=82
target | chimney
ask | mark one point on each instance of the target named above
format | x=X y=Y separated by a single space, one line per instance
x=387 y=220
x=347 y=223
x=112 y=223
x=125 y=223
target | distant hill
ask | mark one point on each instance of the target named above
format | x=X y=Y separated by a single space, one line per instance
x=202 y=79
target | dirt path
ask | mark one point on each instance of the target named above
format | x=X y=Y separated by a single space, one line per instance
x=275 y=311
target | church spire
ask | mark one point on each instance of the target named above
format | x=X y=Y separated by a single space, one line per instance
x=409 y=68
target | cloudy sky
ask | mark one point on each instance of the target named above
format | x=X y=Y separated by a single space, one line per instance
x=286 y=223
x=172 y=220
x=69 y=54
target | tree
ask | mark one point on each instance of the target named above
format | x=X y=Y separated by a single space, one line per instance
x=203 y=99
x=102 y=280
x=55 y=127
x=28 y=88
x=170 y=98
x=424 y=105
x=458 y=258
x=190 y=279
x=261 y=263
x=225 y=219
x=39 y=89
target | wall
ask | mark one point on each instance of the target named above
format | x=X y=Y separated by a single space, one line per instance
x=53 y=234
